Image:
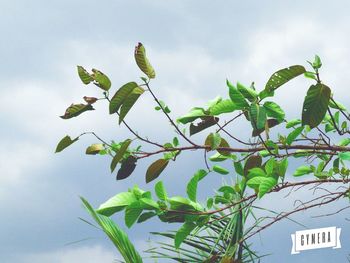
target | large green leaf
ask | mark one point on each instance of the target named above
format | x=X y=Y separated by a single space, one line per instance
x=120 y=96
x=257 y=116
x=85 y=77
x=273 y=110
x=132 y=213
x=193 y=183
x=116 y=203
x=76 y=109
x=224 y=106
x=183 y=232
x=119 y=155
x=116 y=235
x=129 y=102
x=64 y=143
x=294 y=134
x=160 y=191
x=155 y=169
x=345 y=156
x=282 y=76
x=249 y=93
x=256 y=172
x=194 y=114
x=142 y=61
x=236 y=97
x=315 y=105
x=127 y=167
x=266 y=185
x=101 y=80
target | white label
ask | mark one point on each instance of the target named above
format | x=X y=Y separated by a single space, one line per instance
x=316 y=238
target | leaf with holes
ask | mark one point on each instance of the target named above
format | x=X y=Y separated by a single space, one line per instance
x=155 y=169
x=84 y=76
x=101 y=80
x=64 y=143
x=282 y=76
x=75 y=110
x=249 y=93
x=129 y=102
x=119 y=155
x=127 y=167
x=315 y=105
x=142 y=61
x=206 y=122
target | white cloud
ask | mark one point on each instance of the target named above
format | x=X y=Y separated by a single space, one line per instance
x=86 y=254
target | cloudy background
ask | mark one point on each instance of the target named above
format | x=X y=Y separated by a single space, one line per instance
x=194 y=46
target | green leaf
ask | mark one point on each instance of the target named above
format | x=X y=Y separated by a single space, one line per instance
x=94 y=148
x=206 y=122
x=293 y=123
x=176 y=141
x=294 y=134
x=127 y=167
x=120 y=96
x=345 y=156
x=317 y=62
x=270 y=165
x=217 y=157
x=310 y=75
x=180 y=203
x=213 y=140
x=266 y=185
x=344 y=142
x=129 y=102
x=155 y=169
x=238 y=168
x=282 y=167
x=85 y=77
x=282 y=76
x=119 y=155
x=101 y=80
x=64 y=143
x=255 y=181
x=224 y=106
x=132 y=213
x=257 y=116
x=145 y=216
x=256 y=172
x=220 y=170
x=142 y=61
x=183 y=232
x=302 y=170
x=116 y=203
x=160 y=191
x=315 y=105
x=224 y=144
x=249 y=93
x=193 y=183
x=273 y=110
x=76 y=109
x=194 y=114
x=236 y=97
x=148 y=203
x=116 y=235
x=336 y=105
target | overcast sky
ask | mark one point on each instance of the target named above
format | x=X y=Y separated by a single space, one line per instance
x=194 y=46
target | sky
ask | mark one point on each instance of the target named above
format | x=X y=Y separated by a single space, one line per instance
x=194 y=46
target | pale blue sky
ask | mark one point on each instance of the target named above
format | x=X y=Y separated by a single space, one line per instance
x=194 y=46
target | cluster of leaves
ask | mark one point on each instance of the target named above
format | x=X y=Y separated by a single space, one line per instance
x=259 y=168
